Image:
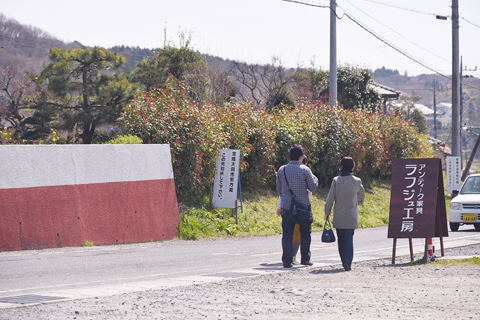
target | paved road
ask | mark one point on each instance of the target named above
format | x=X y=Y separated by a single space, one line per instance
x=105 y=270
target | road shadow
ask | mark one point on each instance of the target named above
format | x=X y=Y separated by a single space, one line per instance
x=330 y=271
x=465 y=229
x=279 y=266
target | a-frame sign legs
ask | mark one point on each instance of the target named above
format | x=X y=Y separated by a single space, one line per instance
x=395 y=249
x=410 y=244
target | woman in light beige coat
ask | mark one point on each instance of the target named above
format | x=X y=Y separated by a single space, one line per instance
x=346 y=193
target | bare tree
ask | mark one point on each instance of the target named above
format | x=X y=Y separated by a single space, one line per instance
x=221 y=88
x=267 y=85
x=210 y=84
x=13 y=87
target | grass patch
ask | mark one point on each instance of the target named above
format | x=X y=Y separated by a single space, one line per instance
x=88 y=243
x=375 y=210
x=446 y=263
x=259 y=214
x=459 y=262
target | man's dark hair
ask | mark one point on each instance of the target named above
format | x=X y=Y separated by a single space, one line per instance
x=347 y=163
x=296 y=152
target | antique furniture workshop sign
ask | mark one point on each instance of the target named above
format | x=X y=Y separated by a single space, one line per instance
x=226 y=179
x=417 y=203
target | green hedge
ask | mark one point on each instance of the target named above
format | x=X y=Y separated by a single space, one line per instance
x=125 y=139
x=195 y=134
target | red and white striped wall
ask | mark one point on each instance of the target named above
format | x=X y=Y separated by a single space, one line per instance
x=66 y=195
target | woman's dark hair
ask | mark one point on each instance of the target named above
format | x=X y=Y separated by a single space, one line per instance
x=296 y=151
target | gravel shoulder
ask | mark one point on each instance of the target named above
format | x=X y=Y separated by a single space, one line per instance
x=372 y=290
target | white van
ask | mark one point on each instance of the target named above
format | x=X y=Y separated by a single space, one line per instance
x=465 y=207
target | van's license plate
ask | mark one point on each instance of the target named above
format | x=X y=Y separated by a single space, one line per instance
x=469 y=217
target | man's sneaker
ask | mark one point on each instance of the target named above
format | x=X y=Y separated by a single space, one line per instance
x=347 y=268
x=287 y=265
x=307 y=263
x=295 y=261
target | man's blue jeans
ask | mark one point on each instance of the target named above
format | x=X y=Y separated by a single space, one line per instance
x=345 y=245
x=288 y=227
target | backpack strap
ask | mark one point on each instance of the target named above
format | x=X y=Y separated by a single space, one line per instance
x=288 y=186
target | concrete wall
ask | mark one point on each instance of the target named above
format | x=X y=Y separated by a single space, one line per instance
x=65 y=195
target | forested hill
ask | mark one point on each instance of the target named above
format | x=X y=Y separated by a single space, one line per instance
x=26 y=48
x=134 y=55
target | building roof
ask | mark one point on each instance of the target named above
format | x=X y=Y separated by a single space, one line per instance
x=424 y=109
x=386 y=92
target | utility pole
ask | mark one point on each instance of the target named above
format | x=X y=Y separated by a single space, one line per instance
x=468 y=163
x=461 y=95
x=456 y=144
x=333 y=48
x=333 y=53
x=434 y=110
x=462 y=138
x=470 y=160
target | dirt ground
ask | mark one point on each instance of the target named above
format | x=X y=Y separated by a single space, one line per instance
x=372 y=290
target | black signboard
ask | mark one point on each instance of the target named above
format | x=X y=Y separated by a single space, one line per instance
x=417 y=202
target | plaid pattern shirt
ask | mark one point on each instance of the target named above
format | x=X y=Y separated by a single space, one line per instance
x=301 y=181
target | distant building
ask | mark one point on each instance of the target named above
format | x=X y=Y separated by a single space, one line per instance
x=444 y=110
x=387 y=94
x=428 y=112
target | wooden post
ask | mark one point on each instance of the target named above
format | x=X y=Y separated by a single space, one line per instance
x=410 y=244
x=441 y=246
x=470 y=160
x=425 y=255
x=236 y=211
x=394 y=250
x=411 y=249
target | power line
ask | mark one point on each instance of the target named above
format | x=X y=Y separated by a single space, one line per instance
x=406 y=9
x=56 y=44
x=27 y=51
x=314 y=5
x=473 y=24
x=471 y=109
x=422 y=12
x=391 y=45
x=38 y=41
x=469 y=86
x=44 y=50
x=400 y=50
x=309 y=4
x=397 y=32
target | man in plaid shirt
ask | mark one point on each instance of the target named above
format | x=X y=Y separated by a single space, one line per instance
x=301 y=181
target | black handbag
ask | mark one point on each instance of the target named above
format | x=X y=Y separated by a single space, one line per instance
x=327 y=234
x=299 y=213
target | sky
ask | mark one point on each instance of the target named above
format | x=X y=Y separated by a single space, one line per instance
x=256 y=30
